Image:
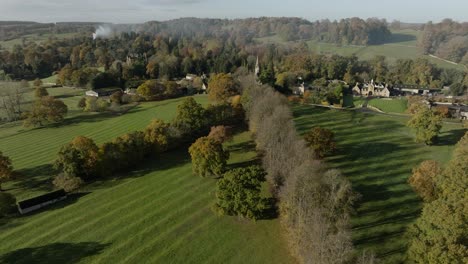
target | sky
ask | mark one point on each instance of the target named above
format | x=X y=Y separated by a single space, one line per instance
x=137 y=11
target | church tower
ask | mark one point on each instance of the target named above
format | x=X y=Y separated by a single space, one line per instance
x=257 y=68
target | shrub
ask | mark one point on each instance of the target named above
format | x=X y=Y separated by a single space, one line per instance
x=7 y=204
x=208 y=157
x=239 y=193
x=67 y=182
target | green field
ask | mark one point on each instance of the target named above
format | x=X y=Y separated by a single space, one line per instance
x=402 y=45
x=377 y=152
x=36 y=38
x=158 y=214
x=33 y=150
x=69 y=96
x=397 y=105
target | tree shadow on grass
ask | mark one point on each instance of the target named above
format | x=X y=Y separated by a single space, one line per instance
x=400 y=37
x=54 y=253
x=36 y=178
x=450 y=137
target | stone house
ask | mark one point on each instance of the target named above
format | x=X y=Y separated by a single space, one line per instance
x=371 y=89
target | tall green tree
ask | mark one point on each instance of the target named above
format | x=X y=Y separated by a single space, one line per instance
x=191 y=116
x=427 y=124
x=239 y=193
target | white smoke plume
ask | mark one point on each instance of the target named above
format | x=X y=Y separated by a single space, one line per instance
x=102 y=32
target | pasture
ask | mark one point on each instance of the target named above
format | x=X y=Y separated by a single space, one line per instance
x=402 y=45
x=33 y=150
x=35 y=38
x=69 y=96
x=377 y=153
x=158 y=214
x=394 y=105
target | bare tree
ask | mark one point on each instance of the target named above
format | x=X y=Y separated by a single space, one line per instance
x=11 y=100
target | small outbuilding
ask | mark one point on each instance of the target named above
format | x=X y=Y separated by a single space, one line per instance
x=41 y=201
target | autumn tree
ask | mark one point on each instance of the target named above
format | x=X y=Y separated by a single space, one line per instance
x=40 y=92
x=321 y=140
x=37 y=82
x=424 y=179
x=239 y=193
x=46 y=110
x=439 y=235
x=208 y=157
x=116 y=97
x=157 y=134
x=79 y=158
x=221 y=87
x=6 y=169
x=427 y=124
x=221 y=133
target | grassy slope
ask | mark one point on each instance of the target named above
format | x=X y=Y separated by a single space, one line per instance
x=69 y=96
x=390 y=105
x=33 y=150
x=402 y=45
x=160 y=214
x=8 y=45
x=377 y=153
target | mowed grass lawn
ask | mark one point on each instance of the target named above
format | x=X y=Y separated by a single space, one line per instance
x=159 y=214
x=396 y=105
x=34 y=150
x=377 y=153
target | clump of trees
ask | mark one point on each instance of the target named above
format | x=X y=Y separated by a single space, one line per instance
x=209 y=159
x=79 y=158
x=447 y=39
x=6 y=169
x=426 y=123
x=83 y=159
x=45 y=110
x=321 y=140
x=156 y=90
x=239 y=193
x=439 y=235
x=314 y=203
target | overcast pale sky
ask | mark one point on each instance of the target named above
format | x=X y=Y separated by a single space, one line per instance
x=134 y=11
